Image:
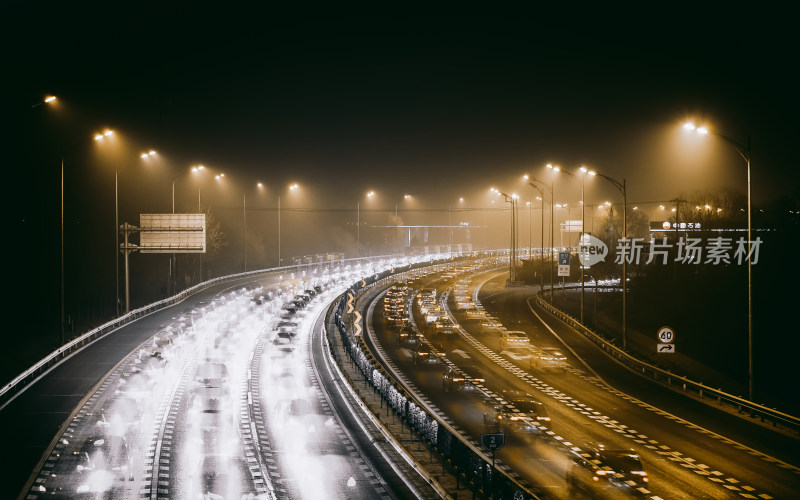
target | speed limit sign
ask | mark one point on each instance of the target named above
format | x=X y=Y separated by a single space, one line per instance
x=666 y=335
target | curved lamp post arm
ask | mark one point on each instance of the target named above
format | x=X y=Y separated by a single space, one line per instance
x=743 y=151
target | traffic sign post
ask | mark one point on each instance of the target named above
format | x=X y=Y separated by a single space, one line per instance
x=666 y=348
x=493 y=441
x=563 y=263
x=666 y=335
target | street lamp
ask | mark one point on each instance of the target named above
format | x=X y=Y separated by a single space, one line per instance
x=292 y=187
x=512 y=261
x=744 y=152
x=535 y=183
x=51 y=99
x=100 y=137
x=370 y=194
x=623 y=190
x=584 y=172
x=259 y=186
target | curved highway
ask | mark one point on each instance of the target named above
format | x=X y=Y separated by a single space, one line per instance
x=232 y=394
x=683 y=455
x=225 y=395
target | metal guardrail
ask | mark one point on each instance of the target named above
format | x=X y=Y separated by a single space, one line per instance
x=671 y=380
x=21 y=381
x=467 y=459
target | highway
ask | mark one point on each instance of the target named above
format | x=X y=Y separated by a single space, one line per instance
x=208 y=398
x=683 y=457
x=201 y=399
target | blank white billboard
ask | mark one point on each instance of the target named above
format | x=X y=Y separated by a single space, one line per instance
x=172 y=233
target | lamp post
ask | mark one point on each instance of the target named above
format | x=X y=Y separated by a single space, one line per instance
x=51 y=99
x=259 y=186
x=358 y=224
x=744 y=152
x=622 y=189
x=541 y=237
x=584 y=171
x=512 y=260
x=99 y=137
x=535 y=183
x=173 y=262
x=292 y=187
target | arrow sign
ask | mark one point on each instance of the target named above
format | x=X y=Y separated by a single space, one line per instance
x=358 y=324
x=363 y=283
x=493 y=441
x=668 y=348
x=350 y=298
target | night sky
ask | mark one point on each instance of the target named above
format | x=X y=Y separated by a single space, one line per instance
x=437 y=104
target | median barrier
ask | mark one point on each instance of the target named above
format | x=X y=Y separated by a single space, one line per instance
x=470 y=463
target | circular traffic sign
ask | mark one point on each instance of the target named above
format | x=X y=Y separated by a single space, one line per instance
x=666 y=335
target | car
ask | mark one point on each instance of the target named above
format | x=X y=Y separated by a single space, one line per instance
x=514 y=338
x=158 y=347
x=406 y=337
x=287 y=324
x=107 y=452
x=310 y=293
x=465 y=378
x=517 y=414
x=283 y=343
x=491 y=323
x=397 y=321
x=548 y=358
x=475 y=314
x=217 y=475
x=613 y=471
x=288 y=333
x=425 y=355
x=212 y=374
x=445 y=327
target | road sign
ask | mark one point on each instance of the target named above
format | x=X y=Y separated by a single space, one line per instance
x=666 y=334
x=563 y=263
x=666 y=348
x=493 y=441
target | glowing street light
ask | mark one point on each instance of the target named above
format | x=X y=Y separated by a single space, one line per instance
x=512 y=260
x=50 y=99
x=584 y=172
x=535 y=183
x=292 y=188
x=622 y=189
x=744 y=152
x=260 y=187
x=370 y=195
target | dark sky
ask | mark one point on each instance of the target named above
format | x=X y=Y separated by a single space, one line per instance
x=439 y=104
